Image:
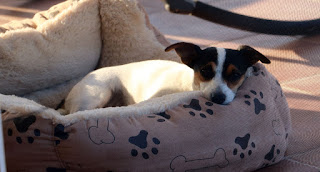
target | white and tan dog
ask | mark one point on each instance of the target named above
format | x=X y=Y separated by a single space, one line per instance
x=217 y=72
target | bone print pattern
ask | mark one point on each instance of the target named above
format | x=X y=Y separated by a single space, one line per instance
x=100 y=133
x=181 y=163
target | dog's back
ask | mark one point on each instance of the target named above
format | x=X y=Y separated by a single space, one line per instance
x=129 y=84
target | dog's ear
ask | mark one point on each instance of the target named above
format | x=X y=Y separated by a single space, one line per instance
x=253 y=55
x=188 y=52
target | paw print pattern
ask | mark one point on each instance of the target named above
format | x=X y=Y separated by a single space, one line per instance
x=258 y=106
x=209 y=111
x=256 y=71
x=194 y=104
x=163 y=116
x=271 y=155
x=22 y=125
x=243 y=142
x=141 y=141
x=60 y=133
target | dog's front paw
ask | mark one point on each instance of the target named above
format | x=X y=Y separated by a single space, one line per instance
x=62 y=111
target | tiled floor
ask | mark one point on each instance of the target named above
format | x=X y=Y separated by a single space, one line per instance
x=295 y=60
x=20 y=9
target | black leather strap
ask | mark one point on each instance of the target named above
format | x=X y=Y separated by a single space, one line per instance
x=252 y=24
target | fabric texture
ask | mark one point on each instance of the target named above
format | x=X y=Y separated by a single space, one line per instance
x=45 y=51
x=178 y=132
x=125 y=35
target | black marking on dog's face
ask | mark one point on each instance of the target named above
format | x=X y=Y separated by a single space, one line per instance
x=189 y=53
x=206 y=64
x=234 y=69
x=252 y=56
x=218 y=72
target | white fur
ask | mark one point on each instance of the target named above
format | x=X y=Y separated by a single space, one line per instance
x=218 y=84
x=249 y=72
x=139 y=81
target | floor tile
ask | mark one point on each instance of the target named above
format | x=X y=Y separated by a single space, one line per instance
x=291 y=58
x=20 y=9
x=309 y=85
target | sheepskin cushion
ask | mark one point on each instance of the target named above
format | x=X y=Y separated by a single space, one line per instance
x=54 y=47
x=44 y=57
x=128 y=36
x=178 y=132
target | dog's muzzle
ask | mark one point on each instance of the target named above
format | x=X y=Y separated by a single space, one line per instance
x=218 y=97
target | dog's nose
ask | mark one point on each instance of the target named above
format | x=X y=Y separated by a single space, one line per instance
x=218 y=98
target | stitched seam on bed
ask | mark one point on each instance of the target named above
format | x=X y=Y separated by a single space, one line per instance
x=55 y=147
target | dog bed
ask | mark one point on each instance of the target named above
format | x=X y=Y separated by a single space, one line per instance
x=178 y=132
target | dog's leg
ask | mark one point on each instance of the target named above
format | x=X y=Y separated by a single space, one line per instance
x=89 y=101
x=90 y=93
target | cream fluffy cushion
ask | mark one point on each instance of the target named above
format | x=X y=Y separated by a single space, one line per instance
x=52 y=48
x=44 y=57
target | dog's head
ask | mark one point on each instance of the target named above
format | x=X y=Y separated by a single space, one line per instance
x=218 y=72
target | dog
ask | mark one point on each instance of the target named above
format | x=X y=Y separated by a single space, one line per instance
x=216 y=72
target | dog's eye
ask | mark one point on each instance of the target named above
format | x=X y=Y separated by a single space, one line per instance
x=207 y=72
x=235 y=76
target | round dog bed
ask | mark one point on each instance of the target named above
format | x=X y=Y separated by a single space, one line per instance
x=178 y=132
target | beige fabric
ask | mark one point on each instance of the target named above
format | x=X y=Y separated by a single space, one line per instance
x=250 y=133
x=125 y=35
x=48 y=51
x=59 y=46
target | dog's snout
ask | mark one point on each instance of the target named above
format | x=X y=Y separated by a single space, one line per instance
x=218 y=98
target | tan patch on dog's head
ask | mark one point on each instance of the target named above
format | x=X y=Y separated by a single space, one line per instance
x=213 y=65
x=234 y=84
x=230 y=69
x=198 y=77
